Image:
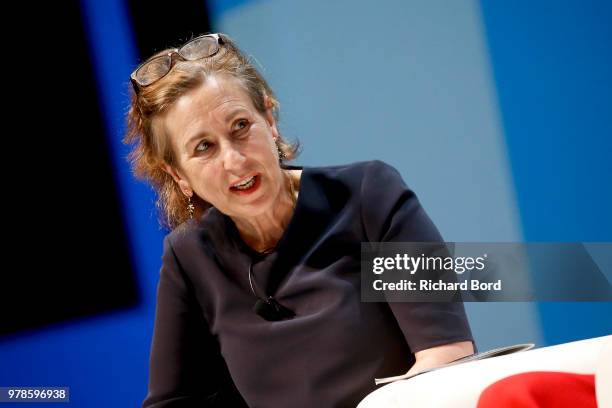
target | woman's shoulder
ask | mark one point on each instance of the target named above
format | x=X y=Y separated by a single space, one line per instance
x=358 y=166
x=355 y=170
x=357 y=175
x=194 y=231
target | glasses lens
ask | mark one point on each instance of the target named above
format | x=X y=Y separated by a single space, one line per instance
x=200 y=47
x=153 y=70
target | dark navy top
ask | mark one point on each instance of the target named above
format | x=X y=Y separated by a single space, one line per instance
x=209 y=347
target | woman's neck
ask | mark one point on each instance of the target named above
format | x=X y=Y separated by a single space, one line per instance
x=264 y=231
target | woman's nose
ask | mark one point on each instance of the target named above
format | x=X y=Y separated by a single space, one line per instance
x=233 y=159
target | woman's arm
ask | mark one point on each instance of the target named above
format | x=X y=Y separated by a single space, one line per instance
x=437 y=332
x=186 y=366
x=440 y=355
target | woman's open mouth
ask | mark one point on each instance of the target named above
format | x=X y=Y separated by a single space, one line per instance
x=247 y=186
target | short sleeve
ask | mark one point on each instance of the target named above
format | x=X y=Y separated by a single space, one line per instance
x=186 y=367
x=391 y=212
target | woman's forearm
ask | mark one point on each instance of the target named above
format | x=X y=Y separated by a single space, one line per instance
x=439 y=355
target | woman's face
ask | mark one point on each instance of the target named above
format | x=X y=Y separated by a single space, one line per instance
x=220 y=140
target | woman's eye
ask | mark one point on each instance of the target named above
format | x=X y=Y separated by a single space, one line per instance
x=241 y=124
x=202 y=146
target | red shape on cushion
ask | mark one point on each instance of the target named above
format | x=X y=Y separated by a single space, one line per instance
x=541 y=389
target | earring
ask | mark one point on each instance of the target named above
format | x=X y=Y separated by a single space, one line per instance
x=190 y=207
x=281 y=154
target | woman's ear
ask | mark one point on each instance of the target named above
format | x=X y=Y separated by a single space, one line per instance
x=268 y=102
x=171 y=171
x=176 y=176
x=270 y=116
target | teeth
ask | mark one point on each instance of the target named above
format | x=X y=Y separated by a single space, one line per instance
x=246 y=184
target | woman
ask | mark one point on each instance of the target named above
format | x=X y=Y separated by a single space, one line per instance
x=258 y=300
